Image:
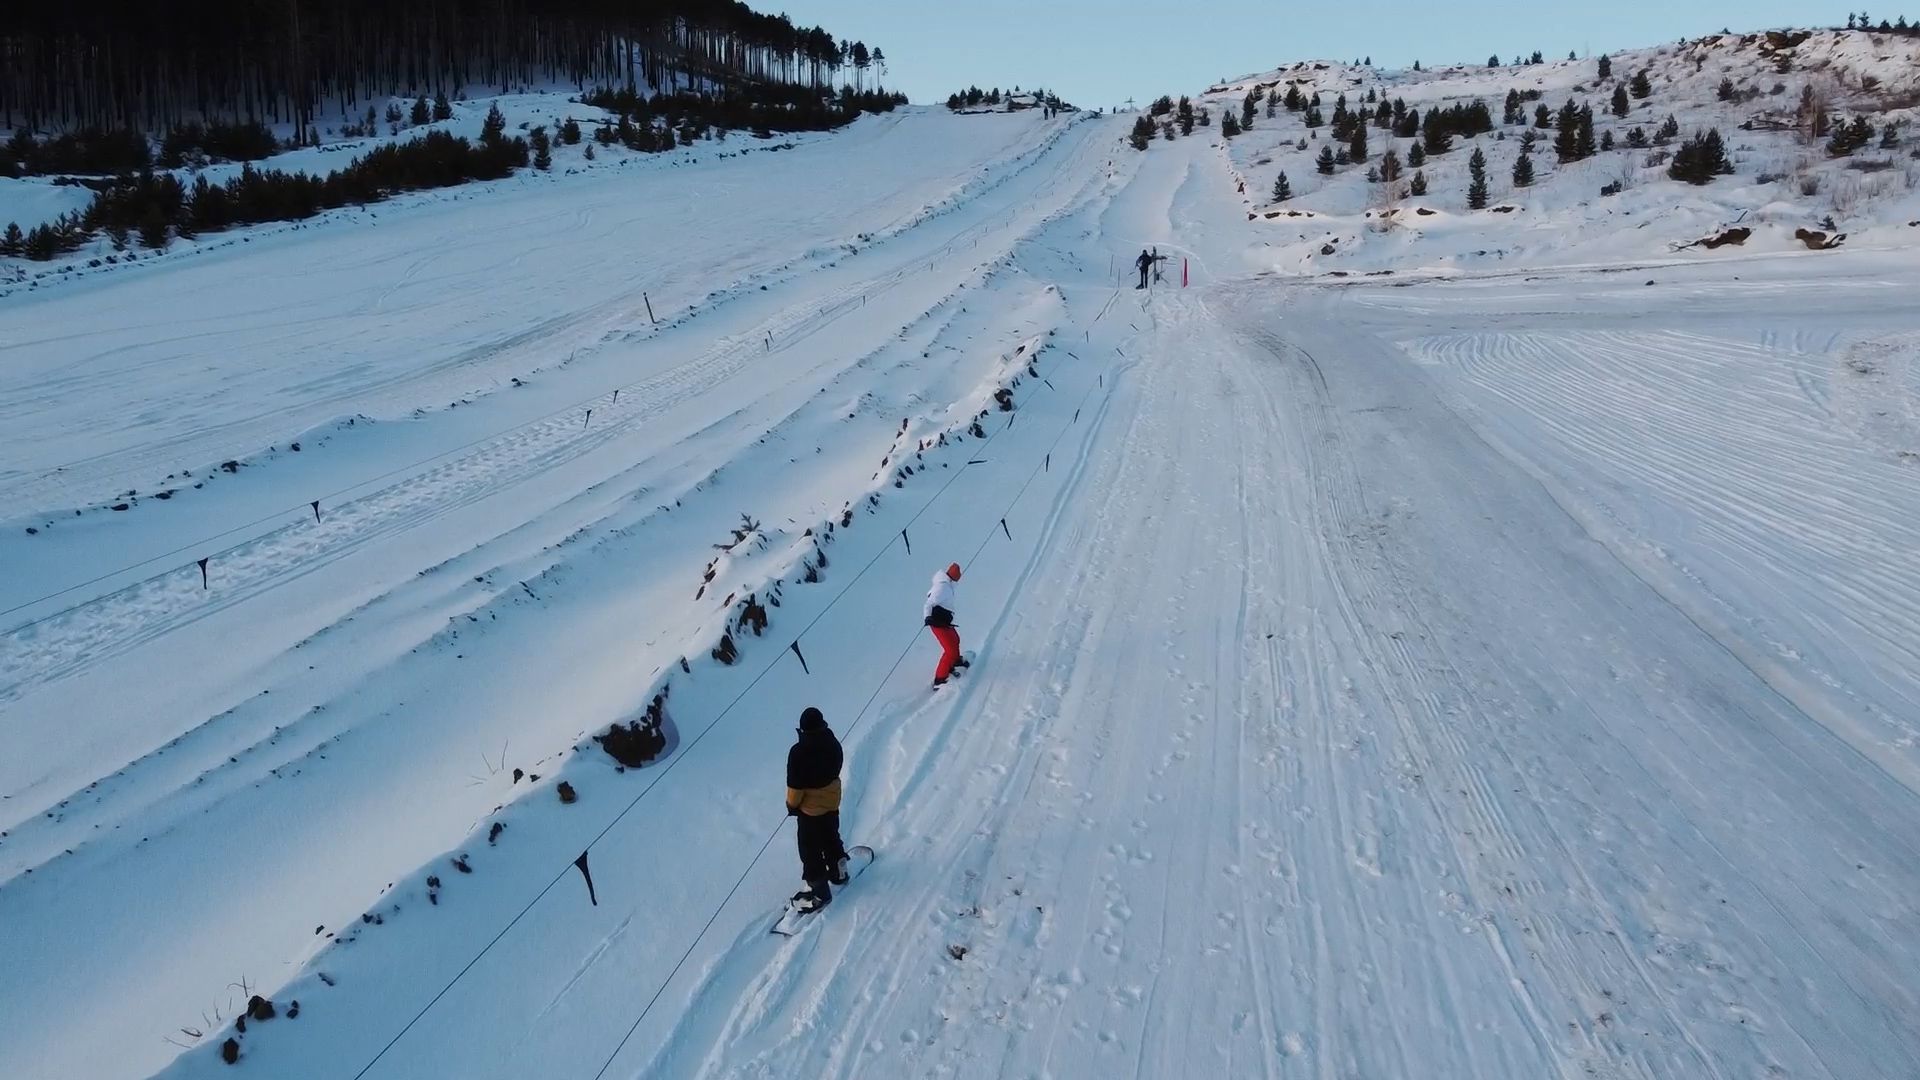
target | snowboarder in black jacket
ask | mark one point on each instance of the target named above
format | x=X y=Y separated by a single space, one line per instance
x=813 y=799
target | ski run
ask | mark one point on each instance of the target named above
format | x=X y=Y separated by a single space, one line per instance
x=1480 y=672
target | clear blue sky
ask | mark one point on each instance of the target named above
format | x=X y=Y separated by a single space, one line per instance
x=1098 y=54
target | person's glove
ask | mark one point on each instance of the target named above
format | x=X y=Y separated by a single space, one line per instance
x=793 y=811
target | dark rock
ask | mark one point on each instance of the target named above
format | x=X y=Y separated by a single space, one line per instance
x=494 y=833
x=567 y=794
x=230 y=1051
x=260 y=1008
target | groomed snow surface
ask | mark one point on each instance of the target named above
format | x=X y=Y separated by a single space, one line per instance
x=1470 y=675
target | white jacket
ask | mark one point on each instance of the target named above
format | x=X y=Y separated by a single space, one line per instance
x=941 y=595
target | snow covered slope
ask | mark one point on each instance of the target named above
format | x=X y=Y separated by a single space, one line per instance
x=1783 y=182
x=1481 y=674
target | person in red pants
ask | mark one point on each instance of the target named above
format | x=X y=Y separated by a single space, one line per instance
x=939 y=617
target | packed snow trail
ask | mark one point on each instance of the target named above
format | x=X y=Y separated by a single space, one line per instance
x=1320 y=739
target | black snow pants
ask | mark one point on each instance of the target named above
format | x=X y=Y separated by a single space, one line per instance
x=820 y=847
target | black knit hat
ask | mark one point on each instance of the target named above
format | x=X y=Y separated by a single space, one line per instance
x=811 y=719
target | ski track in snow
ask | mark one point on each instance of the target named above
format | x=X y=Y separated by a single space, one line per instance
x=1503 y=677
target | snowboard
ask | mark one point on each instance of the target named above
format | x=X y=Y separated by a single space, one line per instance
x=962 y=669
x=859 y=857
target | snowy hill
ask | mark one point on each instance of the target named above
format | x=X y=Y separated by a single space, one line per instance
x=1783 y=181
x=1479 y=664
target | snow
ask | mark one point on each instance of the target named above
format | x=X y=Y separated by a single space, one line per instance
x=1504 y=667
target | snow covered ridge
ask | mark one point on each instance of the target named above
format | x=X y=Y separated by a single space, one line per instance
x=1818 y=129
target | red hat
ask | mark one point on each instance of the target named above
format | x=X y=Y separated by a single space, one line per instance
x=953 y=571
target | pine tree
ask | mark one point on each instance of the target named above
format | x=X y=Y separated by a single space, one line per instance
x=589 y=153
x=1340 y=157
x=1142 y=135
x=1543 y=117
x=1566 y=141
x=1572 y=55
x=1637 y=139
x=1282 y=188
x=1606 y=67
x=1889 y=138
x=1417 y=156
x=1700 y=159
x=1642 y=86
x=13 y=243
x=1294 y=101
x=542 y=149
x=1184 y=115
x=1373 y=175
x=1513 y=114
x=153 y=229
x=1390 y=165
x=1523 y=171
x=1438 y=139
x=1418 y=187
x=1229 y=125
x=1166 y=131
x=1606 y=140
x=1588 y=147
x=1246 y=109
x=1727 y=91
x=1494 y=60
x=422 y=113
x=1325 y=161
x=494 y=127
x=570 y=132
x=1313 y=118
x=1538 y=57
x=1477 y=191
x=1357 y=144
x=1668 y=132
x=1621 y=106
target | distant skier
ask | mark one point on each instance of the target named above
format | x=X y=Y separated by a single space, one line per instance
x=1145 y=263
x=813 y=800
x=939 y=618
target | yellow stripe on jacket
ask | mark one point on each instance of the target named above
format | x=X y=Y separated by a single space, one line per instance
x=815 y=801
